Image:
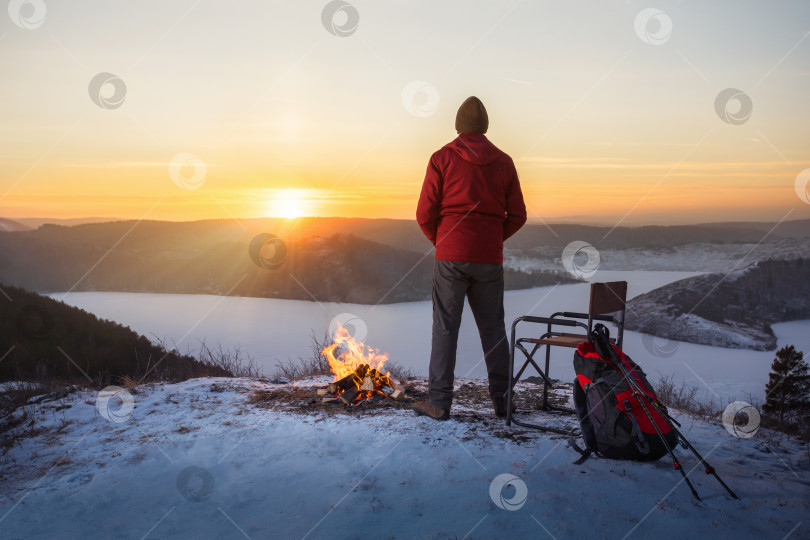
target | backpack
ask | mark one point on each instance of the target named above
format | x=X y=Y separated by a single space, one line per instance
x=614 y=423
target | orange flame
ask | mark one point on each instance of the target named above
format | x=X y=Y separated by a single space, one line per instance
x=352 y=355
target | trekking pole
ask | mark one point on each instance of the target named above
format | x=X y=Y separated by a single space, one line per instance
x=634 y=385
x=708 y=468
x=604 y=343
x=675 y=462
x=663 y=410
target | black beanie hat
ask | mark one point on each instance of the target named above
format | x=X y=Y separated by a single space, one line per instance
x=472 y=116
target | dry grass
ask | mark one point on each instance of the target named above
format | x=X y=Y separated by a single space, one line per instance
x=128 y=382
x=686 y=398
x=15 y=427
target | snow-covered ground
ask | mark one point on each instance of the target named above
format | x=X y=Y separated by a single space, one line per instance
x=199 y=460
x=272 y=330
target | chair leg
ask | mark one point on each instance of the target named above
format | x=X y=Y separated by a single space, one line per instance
x=574 y=432
x=545 y=382
x=511 y=377
x=530 y=360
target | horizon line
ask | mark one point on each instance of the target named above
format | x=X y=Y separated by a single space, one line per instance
x=531 y=220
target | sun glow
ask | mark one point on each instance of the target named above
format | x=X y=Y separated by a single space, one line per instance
x=288 y=203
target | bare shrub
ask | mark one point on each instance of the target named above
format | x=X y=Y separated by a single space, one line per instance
x=236 y=361
x=685 y=397
x=314 y=365
x=206 y=361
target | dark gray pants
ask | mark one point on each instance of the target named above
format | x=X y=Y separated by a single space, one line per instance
x=482 y=284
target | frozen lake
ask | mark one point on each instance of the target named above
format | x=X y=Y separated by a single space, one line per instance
x=272 y=330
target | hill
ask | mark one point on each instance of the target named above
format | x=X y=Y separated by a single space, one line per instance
x=212 y=257
x=34 y=222
x=726 y=310
x=8 y=225
x=799 y=228
x=45 y=340
x=342 y=259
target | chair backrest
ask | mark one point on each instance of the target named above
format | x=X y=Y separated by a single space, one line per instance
x=607 y=297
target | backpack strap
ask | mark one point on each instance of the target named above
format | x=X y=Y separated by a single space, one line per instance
x=641 y=443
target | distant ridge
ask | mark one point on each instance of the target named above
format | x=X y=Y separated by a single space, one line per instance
x=9 y=225
x=799 y=228
x=405 y=234
x=212 y=257
x=35 y=222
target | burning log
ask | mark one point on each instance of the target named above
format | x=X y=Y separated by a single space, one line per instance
x=347 y=383
x=349 y=396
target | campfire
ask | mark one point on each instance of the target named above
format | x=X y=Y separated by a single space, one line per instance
x=358 y=372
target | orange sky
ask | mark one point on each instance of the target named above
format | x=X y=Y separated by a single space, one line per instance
x=288 y=119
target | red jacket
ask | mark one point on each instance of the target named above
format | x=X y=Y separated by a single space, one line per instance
x=471 y=201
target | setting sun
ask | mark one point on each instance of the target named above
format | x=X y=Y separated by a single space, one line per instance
x=288 y=203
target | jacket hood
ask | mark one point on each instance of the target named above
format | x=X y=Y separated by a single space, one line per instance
x=475 y=148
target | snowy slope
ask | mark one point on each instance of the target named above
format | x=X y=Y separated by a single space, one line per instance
x=278 y=472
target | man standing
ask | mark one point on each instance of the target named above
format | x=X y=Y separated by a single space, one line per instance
x=470 y=203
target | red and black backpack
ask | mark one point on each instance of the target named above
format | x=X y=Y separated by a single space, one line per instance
x=614 y=423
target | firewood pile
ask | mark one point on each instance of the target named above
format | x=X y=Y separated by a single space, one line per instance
x=358 y=372
x=363 y=384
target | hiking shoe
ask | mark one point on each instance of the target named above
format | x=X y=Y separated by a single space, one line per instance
x=426 y=408
x=499 y=404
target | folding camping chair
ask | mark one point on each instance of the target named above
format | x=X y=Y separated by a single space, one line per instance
x=606 y=300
